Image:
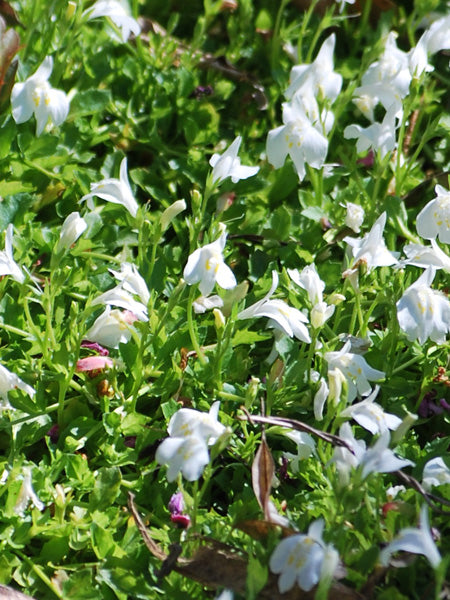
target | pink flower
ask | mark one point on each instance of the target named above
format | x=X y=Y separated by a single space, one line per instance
x=93 y=363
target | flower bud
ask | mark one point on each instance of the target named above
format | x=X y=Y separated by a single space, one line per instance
x=171 y=212
x=71 y=229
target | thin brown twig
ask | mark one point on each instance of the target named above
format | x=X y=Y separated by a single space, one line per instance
x=335 y=440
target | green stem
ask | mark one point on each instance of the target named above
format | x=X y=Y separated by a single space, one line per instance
x=191 y=327
x=40 y=573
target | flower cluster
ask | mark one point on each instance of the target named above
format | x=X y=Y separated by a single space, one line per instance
x=305 y=125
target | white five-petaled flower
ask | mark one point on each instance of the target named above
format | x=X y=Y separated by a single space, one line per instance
x=435 y=473
x=371 y=249
x=379 y=136
x=417 y=541
x=355 y=370
x=111 y=328
x=186 y=450
x=8 y=266
x=299 y=558
x=318 y=78
x=392 y=69
x=426 y=256
x=187 y=422
x=119 y=15
x=300 y=137
x=434 y=219
x=288 y=319
x=35 y=95
x=188 y=455
x=206 y=266
x=380 y=459
x=228 y=164
x=71 y=229
x=376 y=459
x=371 y=415
x=117 y=191
x=422 y=312
x=10 y=381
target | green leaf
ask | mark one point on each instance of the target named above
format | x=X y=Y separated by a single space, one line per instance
x=106 y=488
x=89 y=102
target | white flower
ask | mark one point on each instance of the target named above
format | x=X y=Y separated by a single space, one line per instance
x=354 y=217
x=186 y=450
x=344 y=459
x=371 y=249
x=320 y=313
x=27 y=494
x=422 y=312
x=393 y=491
x=204 y=303
x=355 y=369
x=392 y=69
x=417 y=541
x=118 y=14
x=132 y=281
x=117 y=191
x=189 y=422
x=371 y=415
x=299 y=558
x=9 y=381
x=118 y=296
x=380 y=459
x=229 y=165
x=319 y=77
x=71 y=229
x=309 y=280
x=434 y=219
x=8 y=266
x=206 y=266
x=171 y=212
x=290 y=320
x=336 y=379
x=434 y=39
x=435 y=473
x=111 y=328
x=305 y=448
x=379 y=136
x=35 y=95
x=188 y=455
x=302 y=139
x=367 y=97
x=426 y=256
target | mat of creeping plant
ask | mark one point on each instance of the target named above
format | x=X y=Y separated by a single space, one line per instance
x=224 y=299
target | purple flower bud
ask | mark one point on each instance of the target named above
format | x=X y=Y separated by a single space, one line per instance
x=176 y=504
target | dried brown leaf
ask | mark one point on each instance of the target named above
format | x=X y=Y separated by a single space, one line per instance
x=259 y=529
x=263 y=469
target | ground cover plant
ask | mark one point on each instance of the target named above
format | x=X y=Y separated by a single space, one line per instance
x=224 y=312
